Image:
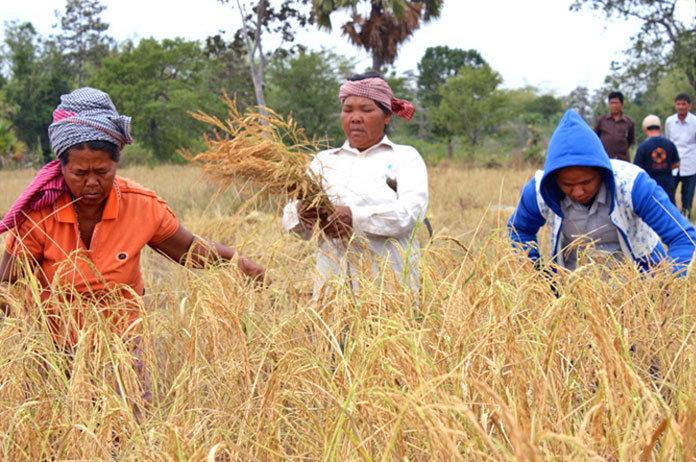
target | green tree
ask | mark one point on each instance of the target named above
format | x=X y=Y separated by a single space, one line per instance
x=157 y=83
x=580 y=101
x=664 y=41
x=389 y=24
x=84 y=42
x=259 y=18
x=11 y=148
x=659 y=98
x=306 y=85
x=472 y=105
x=437 y=65
x=37 y=77
x=545 y=105
x=229 y=70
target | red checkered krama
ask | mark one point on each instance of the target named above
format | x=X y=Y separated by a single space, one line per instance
x=377 y=90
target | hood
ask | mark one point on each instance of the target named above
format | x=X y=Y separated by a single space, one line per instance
x=572 y=144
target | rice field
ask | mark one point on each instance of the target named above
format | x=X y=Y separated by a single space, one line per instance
x=486 y=363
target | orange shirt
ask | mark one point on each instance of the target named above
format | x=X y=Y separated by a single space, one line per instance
x=109 y=271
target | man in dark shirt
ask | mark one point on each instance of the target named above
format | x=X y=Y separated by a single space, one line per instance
x=658 y=156
x=616 y=129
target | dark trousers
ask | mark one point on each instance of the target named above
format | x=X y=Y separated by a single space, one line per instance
x=687 y=192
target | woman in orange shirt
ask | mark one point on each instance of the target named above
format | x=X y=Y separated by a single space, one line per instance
x=83 y=227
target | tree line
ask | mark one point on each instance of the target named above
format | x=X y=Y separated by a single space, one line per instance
x=463 y=107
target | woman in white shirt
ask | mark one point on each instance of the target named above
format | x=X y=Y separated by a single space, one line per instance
x=379 y=189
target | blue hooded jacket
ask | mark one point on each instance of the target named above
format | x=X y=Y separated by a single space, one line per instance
x=640 y=209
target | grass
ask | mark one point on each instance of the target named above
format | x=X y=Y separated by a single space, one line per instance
x=485 y=363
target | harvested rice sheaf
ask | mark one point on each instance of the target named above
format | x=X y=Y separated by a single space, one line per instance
x=267 y=153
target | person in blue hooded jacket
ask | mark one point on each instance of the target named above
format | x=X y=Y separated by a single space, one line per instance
x=598 y=206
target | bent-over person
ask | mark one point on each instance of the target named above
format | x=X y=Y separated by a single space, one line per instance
x=82 y=228
x=598 y=206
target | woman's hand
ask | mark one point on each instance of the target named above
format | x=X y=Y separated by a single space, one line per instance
x=200 y=253
x=7 y=276
x=4 y=306
x=334 y=225
x=253 y=270
x=339 y=223
x=308 y=216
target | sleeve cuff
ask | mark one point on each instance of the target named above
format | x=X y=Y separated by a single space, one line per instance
x=291 y=219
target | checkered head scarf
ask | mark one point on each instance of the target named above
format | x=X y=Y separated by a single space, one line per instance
x=87 y=115
x=84 y=115
x=378 y=90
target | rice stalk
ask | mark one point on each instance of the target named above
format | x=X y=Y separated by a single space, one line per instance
x=266 y=153
x=486 y=363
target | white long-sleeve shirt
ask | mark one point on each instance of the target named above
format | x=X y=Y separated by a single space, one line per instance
x=383 y=219
x=683 y=135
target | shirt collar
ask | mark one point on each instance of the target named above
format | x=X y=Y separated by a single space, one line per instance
x=385 y=141
x=686 y=120
x=66 y=211
x=623 y=118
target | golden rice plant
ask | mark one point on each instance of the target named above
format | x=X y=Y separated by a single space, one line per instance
x=268 y=153
x=486 y=362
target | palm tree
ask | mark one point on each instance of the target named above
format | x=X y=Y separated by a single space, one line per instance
x=389 y=24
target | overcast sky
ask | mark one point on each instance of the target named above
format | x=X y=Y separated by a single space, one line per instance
x=535 y=42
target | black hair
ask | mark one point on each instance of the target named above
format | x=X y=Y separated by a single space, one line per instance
x=616 y=94
x=366 y=75
x=106 y=146
x=683 y=97
x=371 y=75
x=653 y=127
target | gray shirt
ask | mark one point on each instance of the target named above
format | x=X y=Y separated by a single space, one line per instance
x=589 y=230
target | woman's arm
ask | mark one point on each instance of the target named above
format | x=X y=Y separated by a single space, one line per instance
x=299 y=220
x=399 y=217
x=183 y=242
x=6 y=273
x=7 y=277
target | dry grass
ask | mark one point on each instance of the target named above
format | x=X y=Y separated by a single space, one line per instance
x=266 y=153
x=486 y=363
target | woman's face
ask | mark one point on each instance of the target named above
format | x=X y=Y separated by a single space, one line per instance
x=363 y=122
x=90 y=176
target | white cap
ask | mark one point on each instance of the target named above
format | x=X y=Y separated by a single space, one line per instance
x=651 y=120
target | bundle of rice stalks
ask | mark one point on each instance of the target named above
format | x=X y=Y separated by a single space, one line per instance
x=267 y=153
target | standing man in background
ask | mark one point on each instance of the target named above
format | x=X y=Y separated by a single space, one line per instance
x=616 y=129
x=680 y=128
x=658 y=156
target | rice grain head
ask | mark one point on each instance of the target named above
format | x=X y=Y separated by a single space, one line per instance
x=267 y=153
